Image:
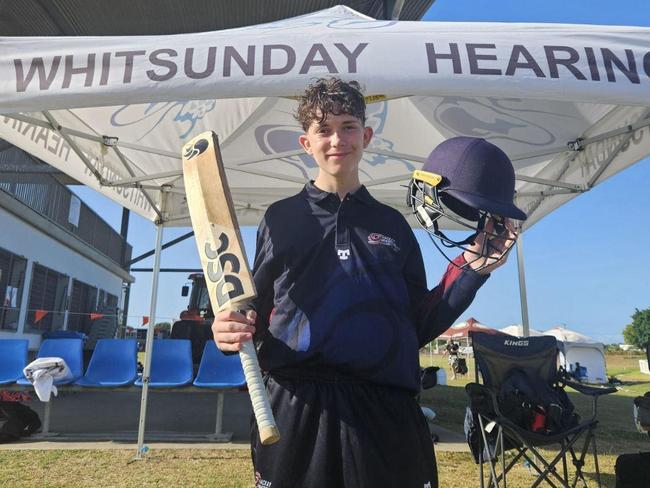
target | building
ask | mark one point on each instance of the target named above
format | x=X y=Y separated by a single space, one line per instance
x=61 y=264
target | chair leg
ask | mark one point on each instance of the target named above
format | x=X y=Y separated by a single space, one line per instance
x=45 y=430
x=503 y=459
x=219 y=419
x=480 y=460
x=219 y=435
x=493 y=477
x=565 y=469
x=593 y=440
x=579 y=462
x=549 y=468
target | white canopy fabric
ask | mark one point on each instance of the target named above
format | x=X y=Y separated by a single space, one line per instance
x=567 y=335
x=518 y=331
x=568 y=103
x=579 y=348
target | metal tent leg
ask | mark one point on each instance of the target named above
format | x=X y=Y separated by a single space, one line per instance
x=522 y=287
x=149 y=344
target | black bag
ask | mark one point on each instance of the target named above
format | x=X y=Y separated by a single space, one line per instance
x=428 y=377
x=642 y=413
x=16 y=421
x=532 y=404
x=460 y=366
x=633 y=470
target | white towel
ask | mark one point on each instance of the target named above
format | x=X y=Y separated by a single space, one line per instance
x=42 y=373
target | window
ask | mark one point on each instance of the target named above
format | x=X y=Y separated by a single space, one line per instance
x=12 y=279
x=107 y=303
x=83 y=301
x=47 y=297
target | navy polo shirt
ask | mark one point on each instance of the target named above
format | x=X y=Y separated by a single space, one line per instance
x=342 y=287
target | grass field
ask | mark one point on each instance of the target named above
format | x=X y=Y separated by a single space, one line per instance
x=232 y=468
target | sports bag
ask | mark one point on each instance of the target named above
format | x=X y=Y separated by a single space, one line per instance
x=532 y=404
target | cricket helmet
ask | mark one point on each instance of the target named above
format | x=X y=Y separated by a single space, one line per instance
x=469 y=181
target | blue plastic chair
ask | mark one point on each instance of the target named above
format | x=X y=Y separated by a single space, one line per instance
x=171 y=363
x=70 y=350
x=13 y=358
x=113 y=363
x=218 y=370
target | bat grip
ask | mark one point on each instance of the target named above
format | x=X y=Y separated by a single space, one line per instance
x=261 y=407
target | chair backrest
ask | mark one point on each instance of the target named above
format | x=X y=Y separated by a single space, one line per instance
x=13 y=358
x=70 y=350
x=496 y=355
x=216 y=368
x=113 y=360
x=171 y=361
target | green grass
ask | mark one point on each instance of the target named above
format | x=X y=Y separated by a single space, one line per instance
x=114 y=468
x=232 y=468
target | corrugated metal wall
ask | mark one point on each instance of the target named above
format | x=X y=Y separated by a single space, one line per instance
x=149 y=17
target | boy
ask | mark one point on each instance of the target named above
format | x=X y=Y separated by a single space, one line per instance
x=343 y=309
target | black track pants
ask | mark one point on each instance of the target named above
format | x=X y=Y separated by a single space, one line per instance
x=344 y=434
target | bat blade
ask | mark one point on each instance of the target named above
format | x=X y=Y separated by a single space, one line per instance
x=223 y=259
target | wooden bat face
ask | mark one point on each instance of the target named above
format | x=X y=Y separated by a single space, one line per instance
x=219 y=243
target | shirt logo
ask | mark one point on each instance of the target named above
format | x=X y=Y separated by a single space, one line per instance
x=376 y=239
x=260 y=483
x=343 y=254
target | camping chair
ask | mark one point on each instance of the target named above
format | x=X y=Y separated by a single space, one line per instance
x=521 y=405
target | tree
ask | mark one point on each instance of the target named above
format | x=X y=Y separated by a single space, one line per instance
x=638 y=332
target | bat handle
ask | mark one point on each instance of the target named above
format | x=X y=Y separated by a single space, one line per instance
x=259 y=398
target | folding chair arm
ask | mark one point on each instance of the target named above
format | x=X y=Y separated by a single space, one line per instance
x=594 y=391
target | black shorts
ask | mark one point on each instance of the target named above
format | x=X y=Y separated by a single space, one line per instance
x=344 y=434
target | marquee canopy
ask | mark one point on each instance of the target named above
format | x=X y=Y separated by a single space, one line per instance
x=568 y=103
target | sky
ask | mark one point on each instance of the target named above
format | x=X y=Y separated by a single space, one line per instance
x=586 y=263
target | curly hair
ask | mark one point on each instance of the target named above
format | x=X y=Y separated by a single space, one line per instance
x=330 y=96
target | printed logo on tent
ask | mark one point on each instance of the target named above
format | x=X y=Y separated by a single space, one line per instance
x=147 y=117
x=326 y=20
x=496 y=119
x=272 y=139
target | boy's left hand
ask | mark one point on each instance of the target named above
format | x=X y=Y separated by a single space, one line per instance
x=498 y=247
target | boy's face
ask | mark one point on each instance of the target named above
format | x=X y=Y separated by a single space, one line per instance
x=337 y=144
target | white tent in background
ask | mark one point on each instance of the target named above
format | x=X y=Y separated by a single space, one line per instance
x=578 y=348
x=569 y=104
x=518 y=331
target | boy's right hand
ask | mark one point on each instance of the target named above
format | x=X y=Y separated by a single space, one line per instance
x=231 y=328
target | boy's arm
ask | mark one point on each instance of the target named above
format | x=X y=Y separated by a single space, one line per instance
x=434 y=311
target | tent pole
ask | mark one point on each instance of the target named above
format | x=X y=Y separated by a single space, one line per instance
x=522 y=287
x=149 y=342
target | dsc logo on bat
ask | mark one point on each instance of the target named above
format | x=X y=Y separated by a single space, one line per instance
x=228 y=285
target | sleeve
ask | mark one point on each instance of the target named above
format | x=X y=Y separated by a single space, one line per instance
x=434 y=311
x=264 y=276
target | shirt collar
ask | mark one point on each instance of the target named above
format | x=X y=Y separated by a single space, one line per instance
x=317 y=195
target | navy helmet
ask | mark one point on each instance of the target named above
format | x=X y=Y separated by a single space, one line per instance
x=469 y=181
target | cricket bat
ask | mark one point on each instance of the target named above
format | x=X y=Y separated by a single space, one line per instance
x=227 y=275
